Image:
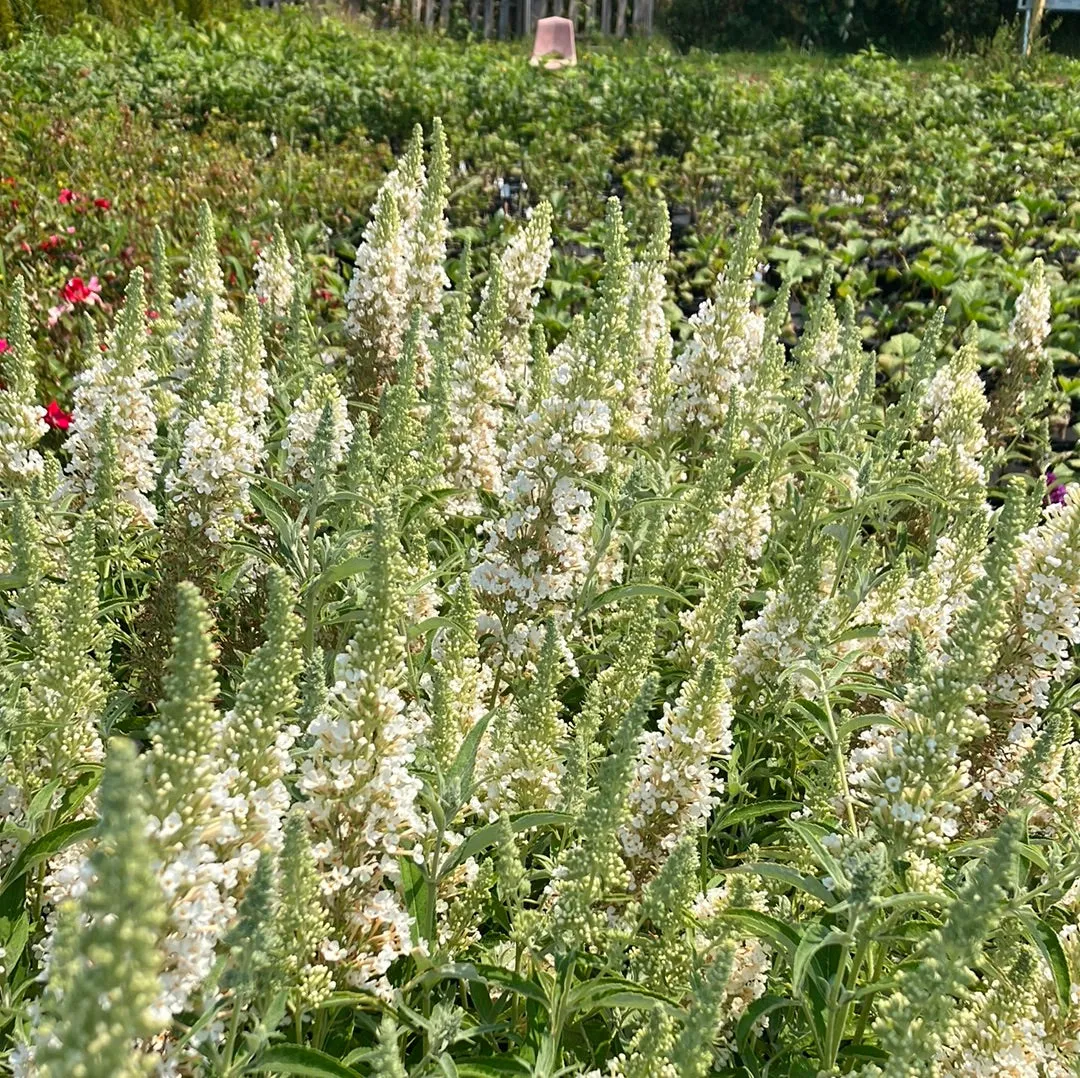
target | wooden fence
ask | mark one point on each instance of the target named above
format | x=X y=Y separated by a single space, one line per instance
x=505 y=19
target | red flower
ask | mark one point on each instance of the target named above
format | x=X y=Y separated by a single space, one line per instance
x=79 y=291
x=103 y=203
x=4 y=346
x=56 y=417
x=53 y=241
x=152 y=314
x=324 y=293
x=67 y=196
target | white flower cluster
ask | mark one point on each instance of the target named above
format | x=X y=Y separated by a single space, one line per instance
x=915 y=784
x=676 y=784
x=926 y=602
x=377 y=298
x=952 y=457
x=779 y=637
x=524 y=266
x=303 y=425
x=362 y=803
x=118 y=386
x=1030 y=325
x=648 y=353
x=751 y=962
x=721 y=356
x=399 y=264
x=212 y=481
x=22 y=424
x=275 y=276
x=537 y=554
x=1037 y=653
x=204 y=283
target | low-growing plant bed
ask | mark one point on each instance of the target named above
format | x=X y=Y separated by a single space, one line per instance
x=921 y=184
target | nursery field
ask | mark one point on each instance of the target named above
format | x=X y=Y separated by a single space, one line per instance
x=523 y=574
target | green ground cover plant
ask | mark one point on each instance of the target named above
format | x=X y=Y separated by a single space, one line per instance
x=657 y=696
x=923 y=184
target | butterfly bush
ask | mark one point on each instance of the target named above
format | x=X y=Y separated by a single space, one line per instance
x=674 y=696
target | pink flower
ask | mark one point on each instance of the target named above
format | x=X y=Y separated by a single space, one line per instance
x=1055 y=491
x=103 y=203
x=53 y=241
x=56 y=417
x=67 y=196
x=4 y=346
x=79 y=291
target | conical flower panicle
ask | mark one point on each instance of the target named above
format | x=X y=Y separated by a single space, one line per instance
x=790 y=625
x=28 y=557
x=525 y=768
x=104 y=982
x=693 y=1051
x=202 y=321
x=453 y=338
x=456 y=681
x=523 y=266
x=20 y=376
x=161 y=294
x=592 y=868
x=916 y=1017
x=427 y=278
x=903 y=418
x=303 y=442
x=184 y=757
x=361 y=794
x=478 y=395
x=64 y=682
x=952 y=452
x=643 y=353
x=606 y=324
x=724 y=350
x=1042 y=621
x=301 y=927
x=113 y=463
x=257 y=741
x=22 y=419
x=252 y=942
x=398 y=444
x=1023 y=389
x=275 y=276
x=914 y=775
x=210 y=486
x=398 y=272
x=297 y=361
x=386 y=1059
